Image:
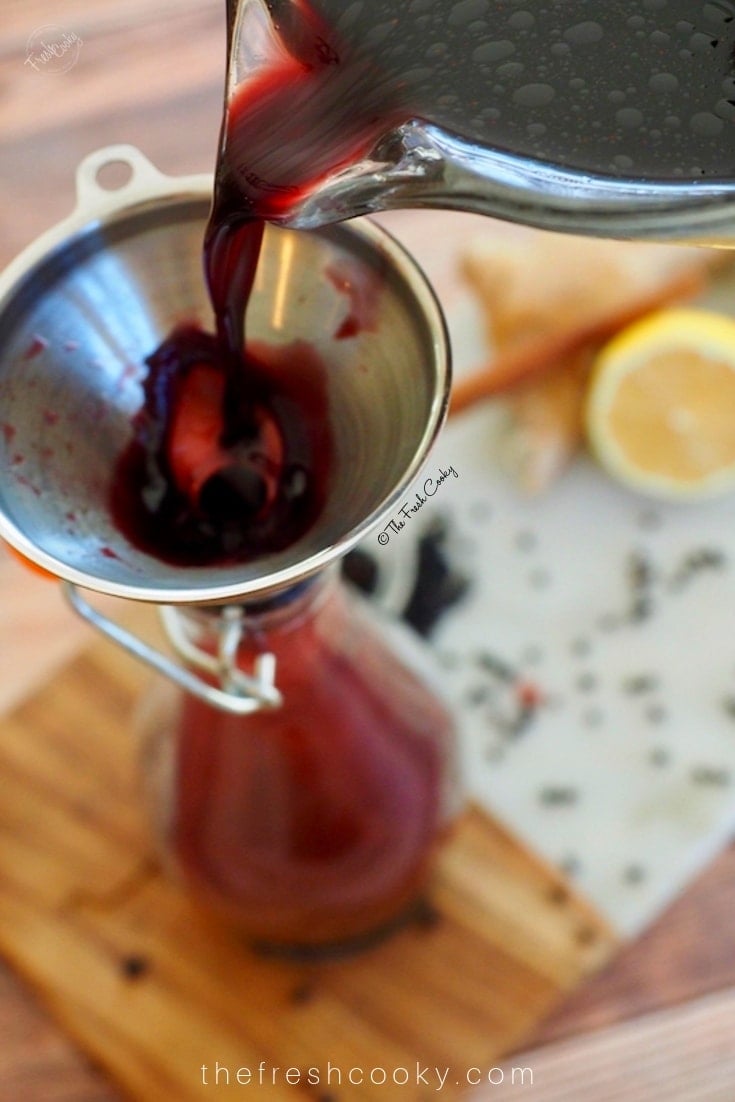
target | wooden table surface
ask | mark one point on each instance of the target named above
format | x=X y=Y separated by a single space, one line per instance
x=152 y=75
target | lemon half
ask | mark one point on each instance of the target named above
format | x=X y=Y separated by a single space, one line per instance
x=660 y=410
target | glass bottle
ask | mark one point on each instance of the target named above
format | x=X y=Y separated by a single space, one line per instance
x=310 y=826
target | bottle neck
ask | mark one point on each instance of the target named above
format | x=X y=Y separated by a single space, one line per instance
x=288 y=606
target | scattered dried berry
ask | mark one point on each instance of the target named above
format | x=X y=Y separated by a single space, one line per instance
x=696 y=562
x=558 y=795
x=641 y=578
x=302 y=994
x=438 y=586
x=659 y=756
x=639 y=683
x=526 y=541
x=710 y=775
x=586 y=682
x=134 y=967
x=361 y=569
x=656 y=713
x=496 y=666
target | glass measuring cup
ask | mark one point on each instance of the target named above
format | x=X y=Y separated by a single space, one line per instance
x=614 y=119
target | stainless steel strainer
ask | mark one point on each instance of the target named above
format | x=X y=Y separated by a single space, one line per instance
x=82 y=308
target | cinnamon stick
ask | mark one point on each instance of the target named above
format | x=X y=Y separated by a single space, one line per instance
x=526 y=359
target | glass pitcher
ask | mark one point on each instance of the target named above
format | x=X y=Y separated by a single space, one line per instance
x=615 y=118
x=309 y=825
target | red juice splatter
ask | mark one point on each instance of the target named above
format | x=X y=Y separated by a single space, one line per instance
x=35 y=348
x=361 y=288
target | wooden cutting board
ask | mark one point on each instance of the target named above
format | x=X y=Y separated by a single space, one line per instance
x=152 y=989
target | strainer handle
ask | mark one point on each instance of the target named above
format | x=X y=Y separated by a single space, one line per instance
x=145 y=180
x=244 y=695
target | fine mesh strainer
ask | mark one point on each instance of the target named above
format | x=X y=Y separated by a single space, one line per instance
x=82 y=308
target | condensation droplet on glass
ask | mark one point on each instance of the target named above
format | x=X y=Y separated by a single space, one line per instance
x=349 y=15
x=415 y=76
x=616 y=96
x=510 y=69
x=622 y=161
x=660 y=38
x=379 y=32
x=654 y=5
x=467 y=10
x=719 y=13
x=706 y=124
x=536 y=129
x=560 y=49
x=663 y=82
x=437 y=49
x=584 y=34
x=629 y=117
x=493 y=51
x=636 y=22
x=521 y=20
x=534 y=95
x=702 y=43
x=725 y=109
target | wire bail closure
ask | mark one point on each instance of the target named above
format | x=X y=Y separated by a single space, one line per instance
x=233 y=690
